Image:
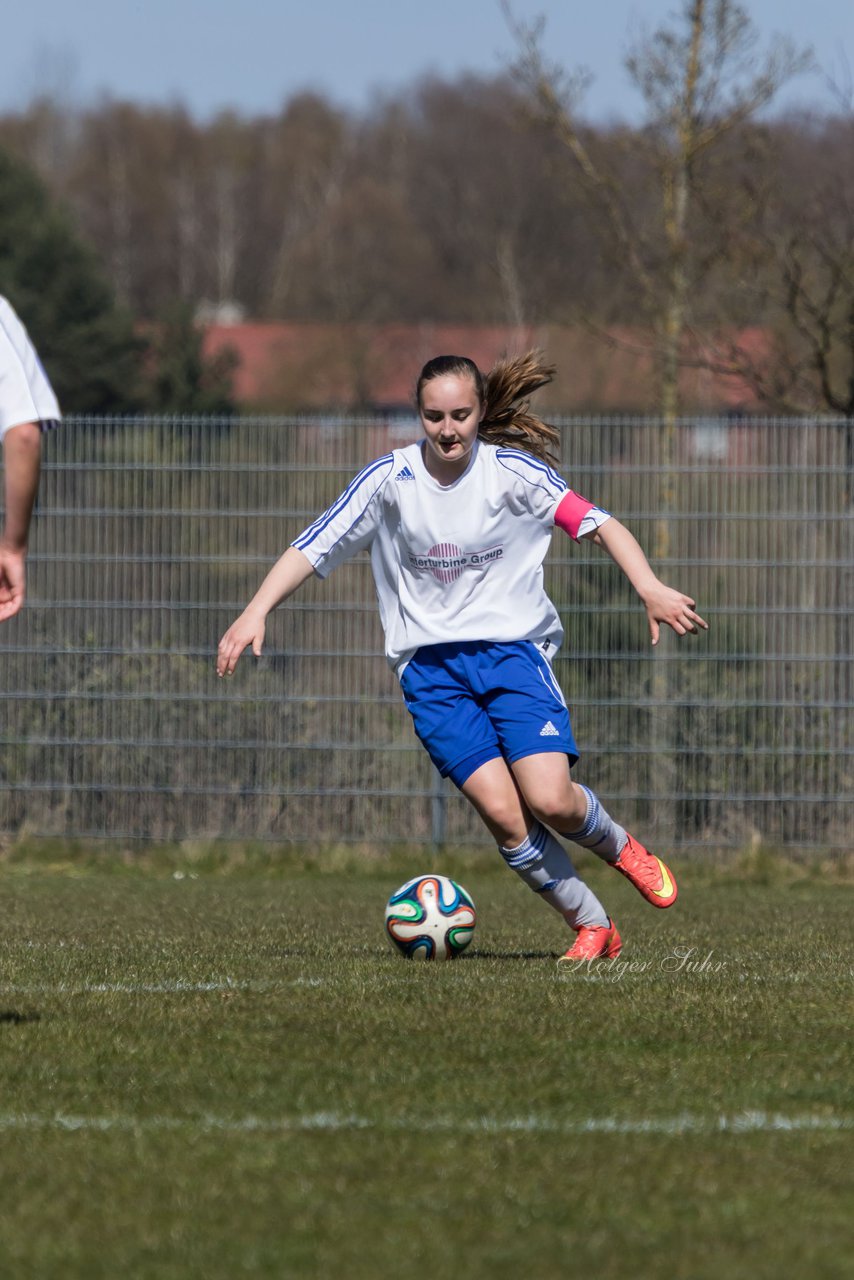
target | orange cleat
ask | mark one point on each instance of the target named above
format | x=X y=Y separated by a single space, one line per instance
x=647 y=873
x=602 y=942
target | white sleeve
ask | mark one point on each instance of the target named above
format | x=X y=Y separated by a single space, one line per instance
x=537 y=488
x=349 y=525
x=545 y=494
x=25 y=392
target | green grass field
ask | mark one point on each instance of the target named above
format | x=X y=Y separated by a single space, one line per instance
x=223 y=1071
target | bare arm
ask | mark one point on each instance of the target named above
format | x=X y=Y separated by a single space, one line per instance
x=21 y=464
x=662 y=603
x=285 y=577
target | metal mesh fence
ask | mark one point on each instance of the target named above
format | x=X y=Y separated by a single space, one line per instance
x=151 y=534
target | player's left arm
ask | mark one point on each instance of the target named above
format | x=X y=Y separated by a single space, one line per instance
x=21 y=466
x=662 y=603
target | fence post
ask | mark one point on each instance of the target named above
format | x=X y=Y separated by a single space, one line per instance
x=438 y=810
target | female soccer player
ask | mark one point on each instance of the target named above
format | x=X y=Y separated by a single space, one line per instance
x=458 y=526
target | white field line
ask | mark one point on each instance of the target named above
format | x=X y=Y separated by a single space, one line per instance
x=332 y=1122
x=810 y=979
x=179 y=987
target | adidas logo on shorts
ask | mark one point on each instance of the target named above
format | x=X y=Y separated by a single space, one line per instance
x=549 y=731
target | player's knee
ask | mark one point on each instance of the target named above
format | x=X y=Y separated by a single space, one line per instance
x=559 y=809
x=507 y=822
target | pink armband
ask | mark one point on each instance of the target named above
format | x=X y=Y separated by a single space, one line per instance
x=571 y=510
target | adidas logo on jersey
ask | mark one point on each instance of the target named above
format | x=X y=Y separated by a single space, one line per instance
x=549 y=731
x=404 y=474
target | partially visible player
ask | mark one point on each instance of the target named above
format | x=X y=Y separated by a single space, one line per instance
x=27 y=407
x=458 y=527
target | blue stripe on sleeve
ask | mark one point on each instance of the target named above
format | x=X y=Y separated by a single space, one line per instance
x=539 y=473
x=355 y=489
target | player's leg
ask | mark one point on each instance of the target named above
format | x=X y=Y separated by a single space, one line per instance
x=529 y=714
x=575 y=811
x=546 y=782
x=539 y=859
x=528 y=711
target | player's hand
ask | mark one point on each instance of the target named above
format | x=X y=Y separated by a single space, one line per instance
x=12 y=581
x=246 y=630
x=664 y=604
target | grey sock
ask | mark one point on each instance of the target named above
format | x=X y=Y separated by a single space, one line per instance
x=545 y=866
x=600 y=832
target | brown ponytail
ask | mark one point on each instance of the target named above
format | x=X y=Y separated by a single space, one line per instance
x=508 y=420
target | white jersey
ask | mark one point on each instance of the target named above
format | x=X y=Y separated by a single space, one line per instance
x=25 y=392
x=456 y=562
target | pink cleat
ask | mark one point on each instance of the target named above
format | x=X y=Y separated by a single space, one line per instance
x=647 y=873
x=601 y=942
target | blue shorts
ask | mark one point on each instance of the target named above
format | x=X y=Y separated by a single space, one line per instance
x=478 y=700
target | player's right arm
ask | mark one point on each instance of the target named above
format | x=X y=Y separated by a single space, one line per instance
x=21 y=462
x=345 y=528
x=285 y=577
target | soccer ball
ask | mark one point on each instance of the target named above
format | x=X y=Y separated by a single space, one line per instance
x=430 y=918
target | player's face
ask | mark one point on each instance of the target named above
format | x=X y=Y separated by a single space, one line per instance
x=451 y=413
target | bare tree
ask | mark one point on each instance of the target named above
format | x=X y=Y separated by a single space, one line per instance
x=503 y=244
x=701 y=80
x=801 y=254
x=305 y=154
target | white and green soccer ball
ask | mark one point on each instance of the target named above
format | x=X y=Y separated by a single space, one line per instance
x=430 y=918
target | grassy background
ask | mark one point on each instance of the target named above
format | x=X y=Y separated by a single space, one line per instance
x=215 y=1066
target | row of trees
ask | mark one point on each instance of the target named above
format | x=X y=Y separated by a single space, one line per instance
x=491 y=200
x=99 y=358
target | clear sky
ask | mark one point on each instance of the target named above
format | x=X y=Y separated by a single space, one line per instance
x=253 y=55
